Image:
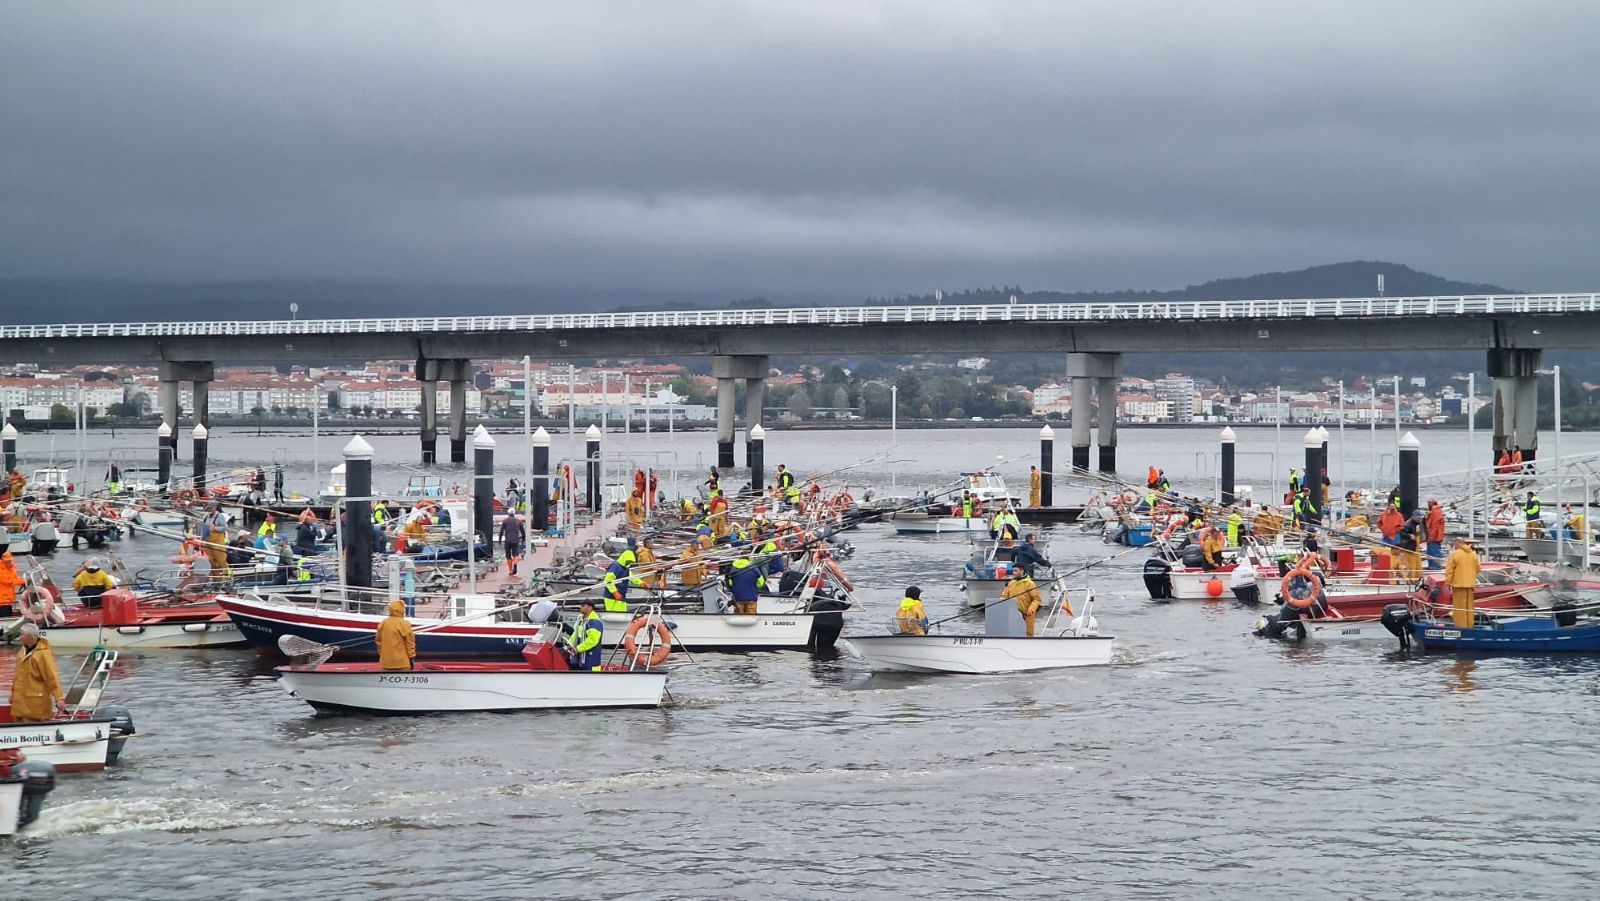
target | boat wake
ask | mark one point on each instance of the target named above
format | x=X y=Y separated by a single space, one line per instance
x=111 y=816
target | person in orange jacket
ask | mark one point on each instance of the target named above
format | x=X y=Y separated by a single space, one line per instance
x=10 y=582
x=1435 y=526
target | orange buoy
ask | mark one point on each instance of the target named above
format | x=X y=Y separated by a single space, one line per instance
x=1214 y=587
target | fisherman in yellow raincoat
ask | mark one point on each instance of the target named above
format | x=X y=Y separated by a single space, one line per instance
x=36 y=688
x=1025 y=592
x=397 y=644
x=635 y=509
x=912 y=619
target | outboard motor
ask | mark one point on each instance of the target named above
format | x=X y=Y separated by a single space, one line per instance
x=38 y=779
x=1158 y=578
x=121 y=728
x=789 y=583
x=1193 y=556
x=1397 y=619
x=1566 y=613
x=1285 y=625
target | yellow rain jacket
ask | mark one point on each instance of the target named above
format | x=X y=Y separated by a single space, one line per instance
x=693 y=572
x=912 y=619
x=1461 y=568
x=1025 y=592
x=397 y=644
x=36 y=686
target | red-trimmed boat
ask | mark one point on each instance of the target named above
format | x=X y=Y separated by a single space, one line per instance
x=540 y=681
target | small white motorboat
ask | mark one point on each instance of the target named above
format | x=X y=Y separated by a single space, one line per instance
x=1003 y=648
x=461 y=686
x=980 y=654
x=541 y=680
x=984 y=577
x=917 y=523
x=88 y=738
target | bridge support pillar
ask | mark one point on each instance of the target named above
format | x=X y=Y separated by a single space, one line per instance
x=755 y=397
x=1516 y=401
x=201 y=389
x=458 y=421
x=169 y=412
x=1082 y=410
x=430 y=422
x=1105 y=395
x=1099 y=372
x=753 y=369
x=429 y=374
x=199 y=374
x=725 y=424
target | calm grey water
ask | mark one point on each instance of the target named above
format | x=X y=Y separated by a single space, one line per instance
x=1204 y=763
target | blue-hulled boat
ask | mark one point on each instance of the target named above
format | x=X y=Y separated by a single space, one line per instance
x=1523 y=635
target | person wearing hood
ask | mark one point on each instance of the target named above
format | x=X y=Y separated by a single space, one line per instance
x=10 y=583
x=745 y=581
x=397 y=643
x=911 y=617
x=36 y=694
x=693 y=569
x=635 y=509
x=91 y=582
x=619 y=575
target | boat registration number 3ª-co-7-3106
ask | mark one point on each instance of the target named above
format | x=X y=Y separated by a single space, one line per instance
x=969 y=641
x=401 y=680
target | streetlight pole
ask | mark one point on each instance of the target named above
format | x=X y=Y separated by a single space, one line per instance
x=894 y=431
x=1344 y=487
x=1561 y=516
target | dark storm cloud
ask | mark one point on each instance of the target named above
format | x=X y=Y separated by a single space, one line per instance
x=850 y=146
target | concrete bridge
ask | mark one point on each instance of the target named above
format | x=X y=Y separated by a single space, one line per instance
x=1511 y=329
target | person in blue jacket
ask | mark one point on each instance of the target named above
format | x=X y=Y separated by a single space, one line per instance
x=586 y=638
x=745 y=581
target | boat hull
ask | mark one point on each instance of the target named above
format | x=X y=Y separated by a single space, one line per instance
x=983 y=592
x=447 y=688
x=70 y=745
x=978 y=654
x=262 y=624
x=217 y=633
x=925 y=524
x=1523 y=636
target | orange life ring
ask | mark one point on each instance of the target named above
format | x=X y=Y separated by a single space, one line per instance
x=1173 y=524
x=630 y=642
x=1289 y=597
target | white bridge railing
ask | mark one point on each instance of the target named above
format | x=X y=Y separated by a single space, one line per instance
x=1197 y=310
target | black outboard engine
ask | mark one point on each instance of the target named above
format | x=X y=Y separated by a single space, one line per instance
x=1193 y=556
x=1247 y=594
x=38 y=779
x=1285 y=625
x=121 y=727
x=1397 y=619
x=789 y=583
x=1158 y=578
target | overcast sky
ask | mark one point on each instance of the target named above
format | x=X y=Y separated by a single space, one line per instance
x=856 y=147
